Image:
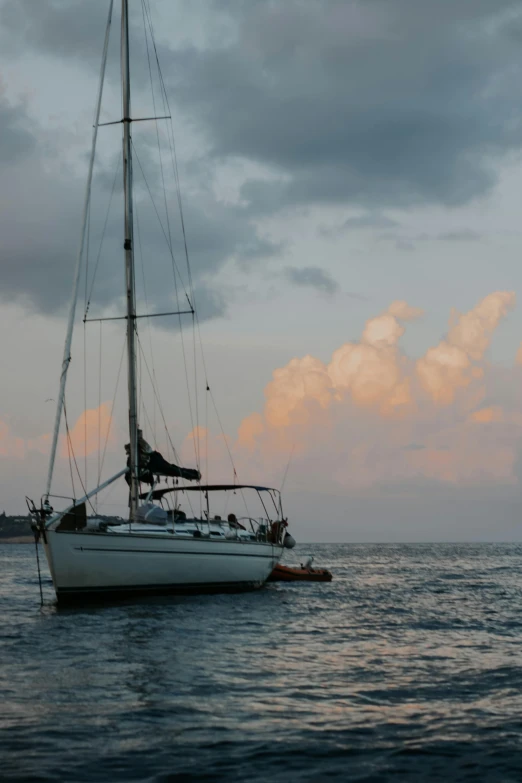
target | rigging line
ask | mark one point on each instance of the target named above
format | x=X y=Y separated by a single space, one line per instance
x=99 y=409
x=85 y=396
x=189 y=271
x=87 y=231
x=185 y=365
x=158 y=216
x=71 y=452
x=107 y=214
x=146 y=11
x=209 y=390
x=112 y=406
x=108 y=495
x=172 y=145
x=36 y=537
x=68 y=439
x=174 y=269
x=156 y=394
x=194 y=440
x=88 y=239
x=166 y=107
x=157 y=127
x=287 y=467
x=77 y=273
x=160 y=406
x=140 y=250
x=206 y=436
x=169 y=439
x=85 y=347
x=196 y=428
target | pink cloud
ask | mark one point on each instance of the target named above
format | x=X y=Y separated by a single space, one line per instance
x=372 y=415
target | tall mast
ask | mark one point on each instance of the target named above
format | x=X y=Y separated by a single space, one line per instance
x=129 y=261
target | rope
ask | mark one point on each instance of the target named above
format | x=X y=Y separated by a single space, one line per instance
x=112 y=408
x=89 y=296
x=149 y=327
x=174 y=270
x=146 y=12
x=71 y=452
x=99 y=410
x=38 y=566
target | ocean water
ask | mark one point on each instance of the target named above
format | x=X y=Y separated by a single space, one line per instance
x=408 y=666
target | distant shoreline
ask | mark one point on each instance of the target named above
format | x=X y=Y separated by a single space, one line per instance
x=17 y=540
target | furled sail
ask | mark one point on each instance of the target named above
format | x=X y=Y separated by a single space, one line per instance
x=151 y=463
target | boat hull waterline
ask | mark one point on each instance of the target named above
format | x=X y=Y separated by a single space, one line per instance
x=89 y=564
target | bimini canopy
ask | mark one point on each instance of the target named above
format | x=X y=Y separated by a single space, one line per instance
x=158 y=493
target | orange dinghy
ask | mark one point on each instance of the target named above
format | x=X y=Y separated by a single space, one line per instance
x=283 y=573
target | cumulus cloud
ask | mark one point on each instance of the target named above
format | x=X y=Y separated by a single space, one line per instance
x=371 y=372
x=88 y=435
x=402 y=310
x=452 y=363
x=372 y=415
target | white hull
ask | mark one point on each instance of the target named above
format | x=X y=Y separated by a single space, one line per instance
x=84 y=564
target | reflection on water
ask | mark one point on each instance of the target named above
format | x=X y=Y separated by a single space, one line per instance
x=406 y=667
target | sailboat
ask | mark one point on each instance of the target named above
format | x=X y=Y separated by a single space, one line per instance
x=158 y=548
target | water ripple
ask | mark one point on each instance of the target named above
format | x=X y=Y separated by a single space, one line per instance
x=406 y=667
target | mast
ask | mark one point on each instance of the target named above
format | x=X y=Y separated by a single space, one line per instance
x=129 y=261
x=76 y=283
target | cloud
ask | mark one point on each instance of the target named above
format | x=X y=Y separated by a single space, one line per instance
x=40 y=213
x=372 y=220
x=90 y=432
x=403 y=311
x=15 y=447
x=66 y=29
x=371 y=372
x=372 y=104
x=450 y=365
x=487 y=415
x=312 y=277
x=372 y=415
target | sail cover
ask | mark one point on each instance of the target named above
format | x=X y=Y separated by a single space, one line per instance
x=151 y=463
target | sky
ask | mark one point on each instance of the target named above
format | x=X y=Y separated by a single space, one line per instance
x=351 y=176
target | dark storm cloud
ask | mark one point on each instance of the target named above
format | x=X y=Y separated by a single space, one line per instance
x=60 y=27
x=378 y=102
x=40 y=214
x=386 y=102
x=312 y=277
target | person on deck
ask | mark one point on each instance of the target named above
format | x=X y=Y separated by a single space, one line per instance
x=232 y=521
